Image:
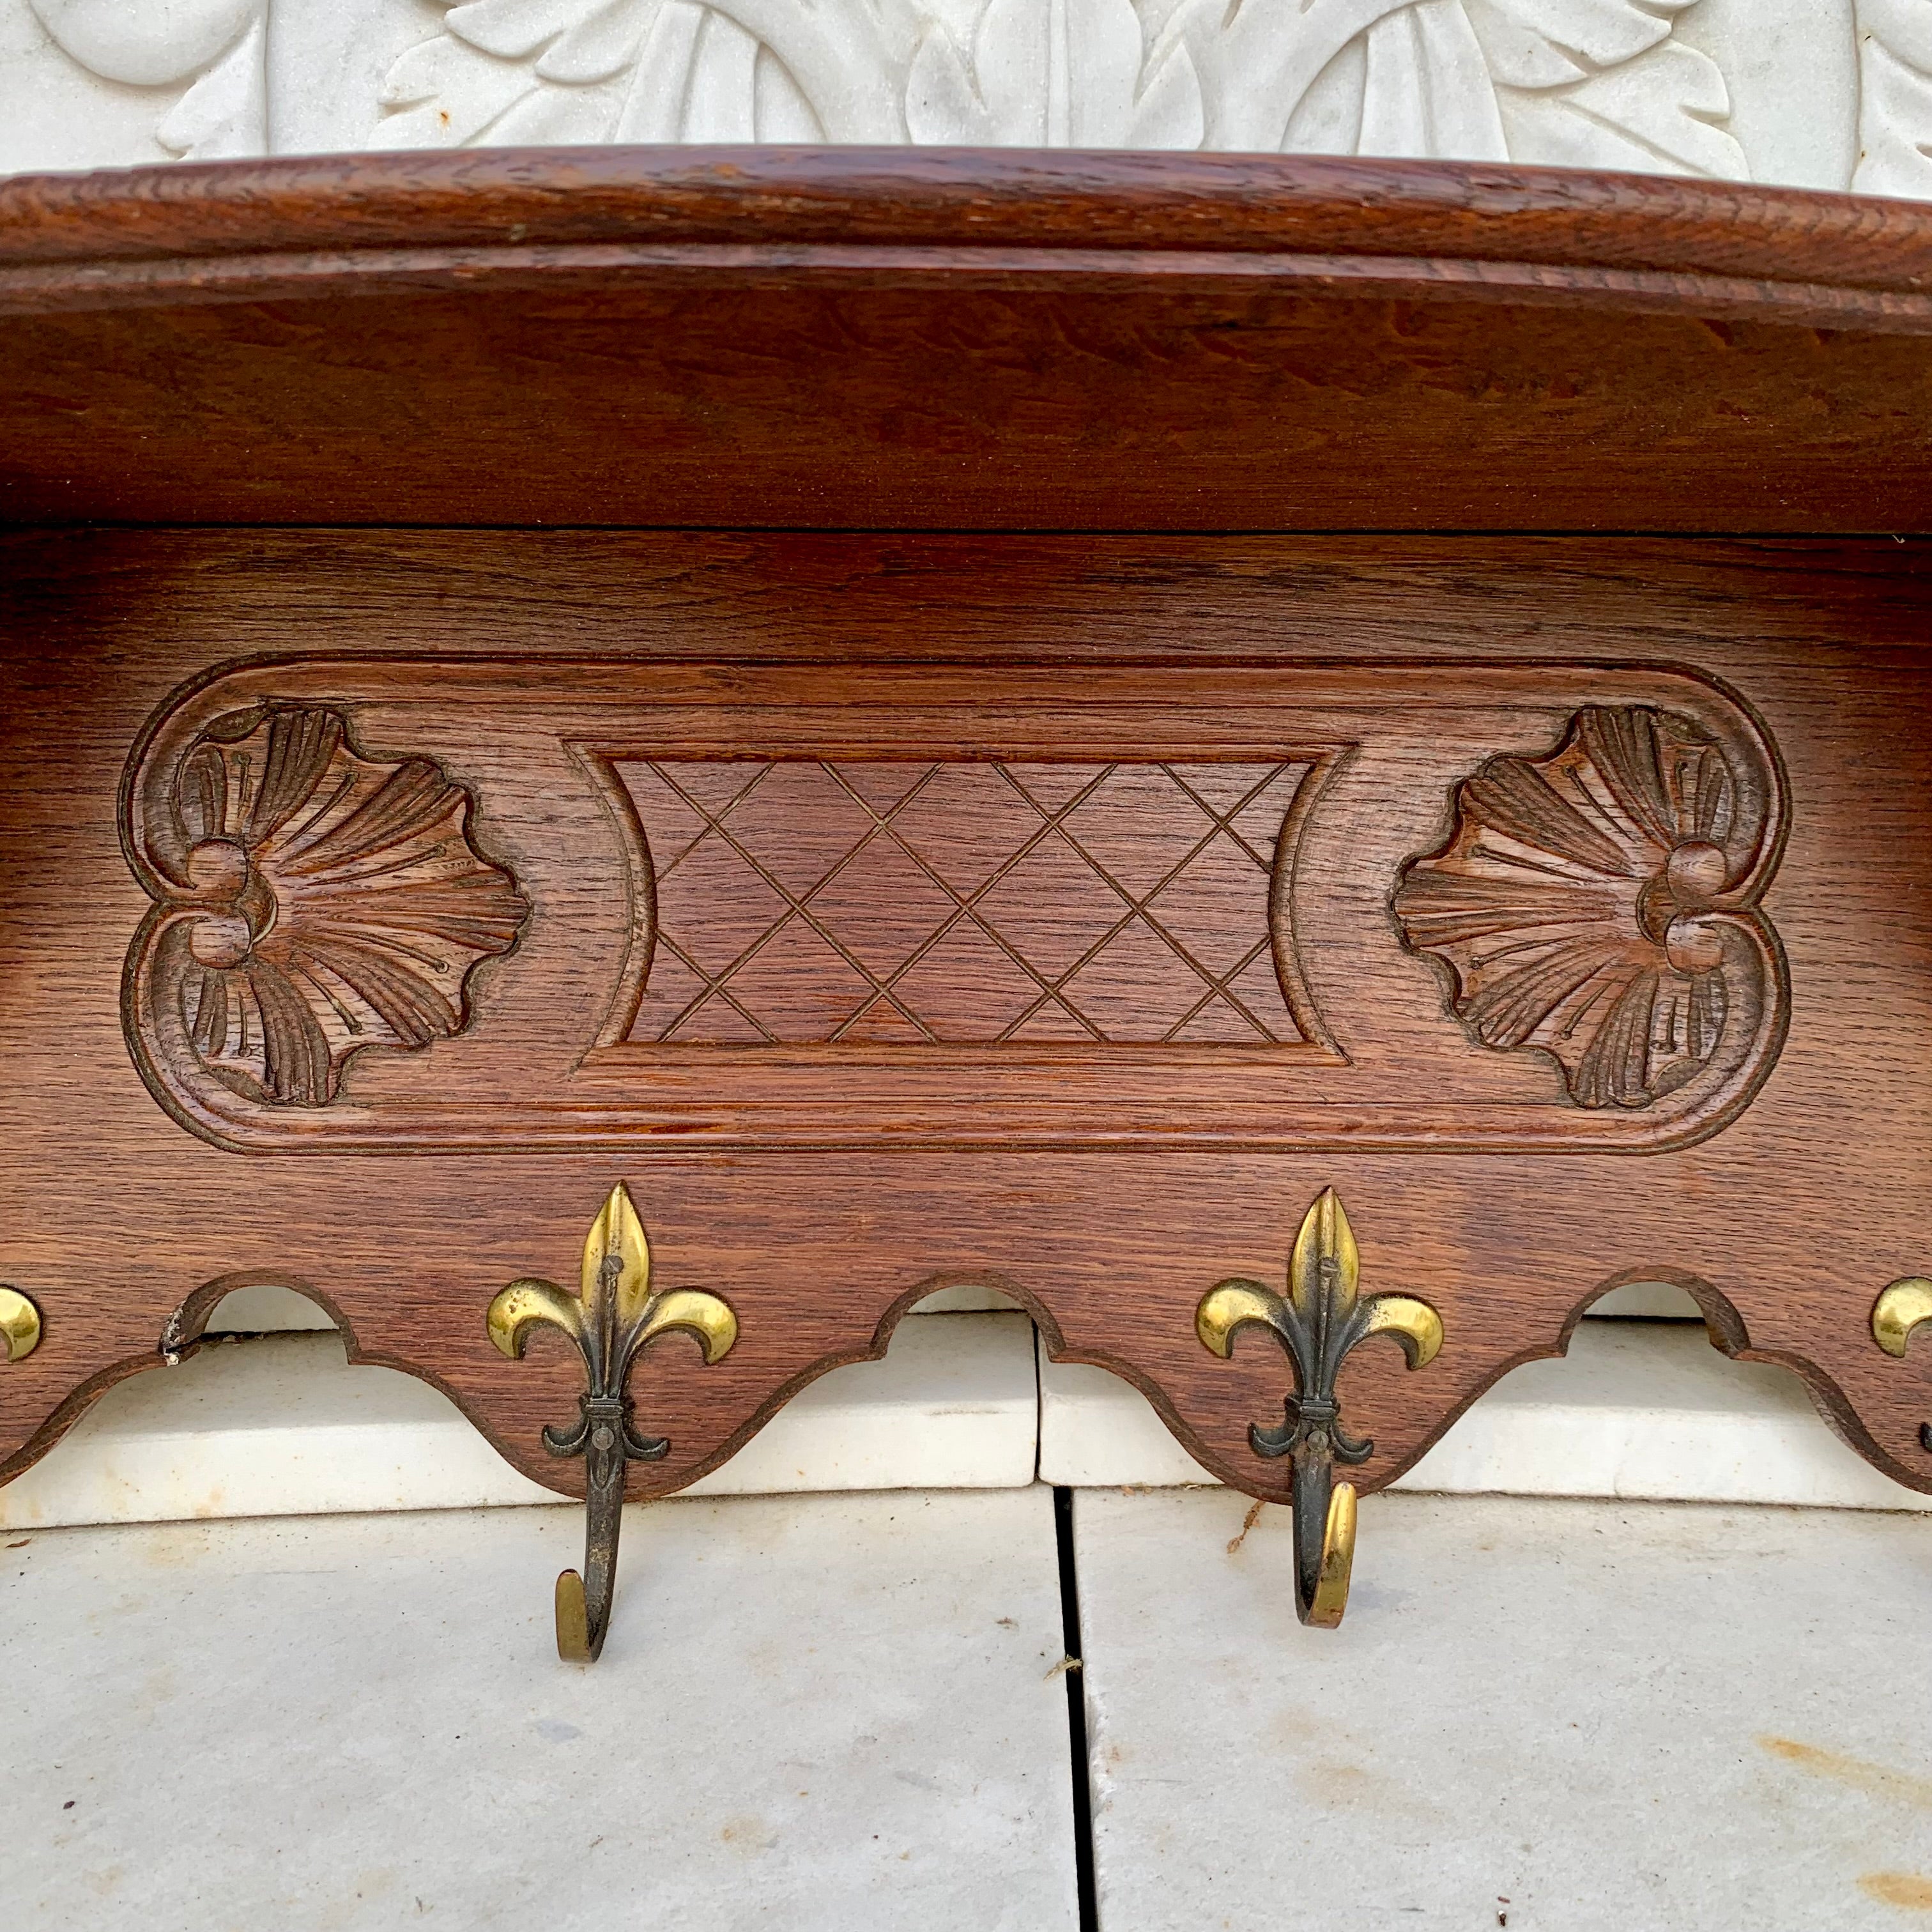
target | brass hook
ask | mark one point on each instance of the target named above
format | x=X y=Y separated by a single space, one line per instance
x=611 y=1321
x=19 y=1325
x=1319 y=1321
x=1902 y=1309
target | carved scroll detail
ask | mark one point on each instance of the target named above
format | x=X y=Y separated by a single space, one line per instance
x=327 y=902
x=1596 y=903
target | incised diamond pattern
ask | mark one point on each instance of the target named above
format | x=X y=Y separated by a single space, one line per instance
x=807 y=902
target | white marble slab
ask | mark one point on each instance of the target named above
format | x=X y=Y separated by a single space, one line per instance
x=281 y=1426
x=1557 y=1717
x=1644 y=1301
x=1830 y=94
x=1636 y=1409
x=822 y=1714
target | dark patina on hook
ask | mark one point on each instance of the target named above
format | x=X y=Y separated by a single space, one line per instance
x=1320 y=1320
x=611 y=1322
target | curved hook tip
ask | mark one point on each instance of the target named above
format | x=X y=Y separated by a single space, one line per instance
x=1338 y=1559
x=574 y=1642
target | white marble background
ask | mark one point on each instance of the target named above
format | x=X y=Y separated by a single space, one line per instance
x=1831 y=94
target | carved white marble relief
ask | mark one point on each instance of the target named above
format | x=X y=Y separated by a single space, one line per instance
x=1594 y=83
x=1822 y=93
x=203 y=60
x=1895 y=93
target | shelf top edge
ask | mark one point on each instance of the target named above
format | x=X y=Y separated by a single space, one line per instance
x=103 y=236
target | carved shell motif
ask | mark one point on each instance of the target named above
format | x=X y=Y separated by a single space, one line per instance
x=1593 y=903
x=332 y=902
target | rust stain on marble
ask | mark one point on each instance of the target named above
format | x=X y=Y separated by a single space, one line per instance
x=1876 y=1780
x=1908 y=1890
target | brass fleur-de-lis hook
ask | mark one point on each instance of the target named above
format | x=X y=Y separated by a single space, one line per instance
x=613 y=1319
x=1903 y=1308
x=1322 y=1317
x=19 y=1325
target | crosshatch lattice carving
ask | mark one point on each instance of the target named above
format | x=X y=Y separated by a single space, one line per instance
x=879 y=903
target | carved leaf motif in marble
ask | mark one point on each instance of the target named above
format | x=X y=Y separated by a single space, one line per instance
x=567 y=72
x=1894 y=97
x=1605 y=83
x=1597 y=83
x=1593 y=83
x=218 y=47
x=1054 y=73
x=1601 y=83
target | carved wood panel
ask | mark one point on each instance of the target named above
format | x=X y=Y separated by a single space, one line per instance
x=1586 y=872
x=780 y=929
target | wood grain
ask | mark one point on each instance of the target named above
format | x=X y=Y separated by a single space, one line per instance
x=840 y=339
x=1786 y=1223
x=1112 y=902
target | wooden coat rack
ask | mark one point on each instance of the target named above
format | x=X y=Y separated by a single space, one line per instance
x=1304 y=765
